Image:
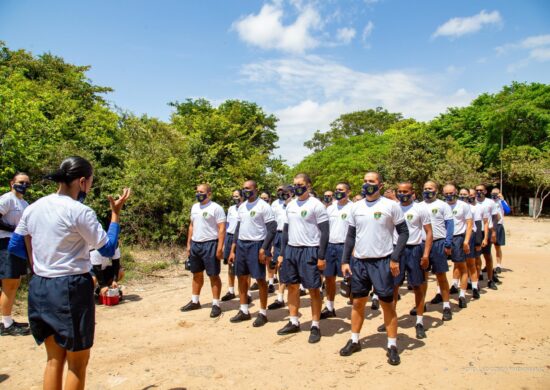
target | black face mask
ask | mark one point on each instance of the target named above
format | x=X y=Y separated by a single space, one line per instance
x=370 y=189
x=300 y=190
x=494 y=196
x=235 y=200
x=327 y=199
x=81 y=197
x=21 y=188
x=339 y=195
x=464 y=198
x=200 y=197
x=248 y=194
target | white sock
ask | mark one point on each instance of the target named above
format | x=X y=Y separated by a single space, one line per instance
x=216 y=302
x=232 y=290
x=330 y=305
x=419 y=319
x=7 y=321
x=462 y=293
x=280 y=297
x=244 y=308
x=355 y=337
x=455 y=282
x=438 y=290
x=302 y=287
x=271 y=280
x=498 y=266
x=195 y=298
x=315 y=323
x=446 y=305
x=249 y=294
x=374 y=296
x=294 y=320
x=264 y=312
x=469 y=280
x=392 y=342
x=474 y=285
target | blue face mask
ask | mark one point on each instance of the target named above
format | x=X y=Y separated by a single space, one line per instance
x=235 y=200
x=81 y=197
x=428 y=194
x=464 y=198
x=404 y=198
x=21 y=188
x=339 y=195
x=327 y=199
x=369 y=189
x=300 y=190
x=472 y=199
x=480 y=194
x=493 y=196
x=200 y=197
x=248 y=193
x=450 y=198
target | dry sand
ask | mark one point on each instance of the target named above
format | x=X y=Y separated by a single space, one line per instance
x=500 y=341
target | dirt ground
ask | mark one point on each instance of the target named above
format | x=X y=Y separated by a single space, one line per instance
x=501 y=341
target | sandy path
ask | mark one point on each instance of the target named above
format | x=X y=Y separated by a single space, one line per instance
x=502 y=340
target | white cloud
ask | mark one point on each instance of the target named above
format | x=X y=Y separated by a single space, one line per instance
x=527 y=43
x=321 y=90
x=456 y=27
x=266 y=29
x=538 y=47
x=345 y=34
x=540 y=54
x=367 y=30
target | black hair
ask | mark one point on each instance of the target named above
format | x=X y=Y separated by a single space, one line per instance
x=304 y=176
x=344 y=183
x=70 y=169
x=19 y=174
x=239 y=191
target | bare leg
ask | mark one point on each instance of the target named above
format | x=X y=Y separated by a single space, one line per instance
x=330 y=283
x=293 y=299
x=262 y=284
x=358 y=314
x=315 y=296
x=53 y=374
x=216 y=284
x=76 y=374
x=419 y=296
x=443 y=285
x=390 y=318
x=243 y=289
x=7 y=297
x=198 y=281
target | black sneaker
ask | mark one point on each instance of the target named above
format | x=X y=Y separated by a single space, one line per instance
x=303 y=292
x=393 y=356
x=498 y=270
x=15 y=330
x=447 y=314
x=314 y=335
x=492 y=285
x=276 y=305
x=254 y=287
x=475 y=293
x=215 y=312
x=381 y=328
x=453 y=290
x=413 y=310
x=420 y=332
x=496 y=279
x=240 y=317
x=270 y=289
x=191 y=306
x=275 y=280
x=228 y=296
x=289 y=328
x=375 y=304
x=350 y=348
x=248 y=299
x=481 y=276
x=462 y=303
x=260 y=320
x=469 y=286
x=326 y=313
x=409 y=287
x=437 y=299
x=484 y=269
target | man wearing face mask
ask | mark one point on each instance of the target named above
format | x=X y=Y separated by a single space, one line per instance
x=205 y=247
x=338 y=216
x=468 y=196
x=256 y=228
x=492 y=209
x=375 y=261
x=279 y=209
x=236 y=200
x=481 y=223
x=441 y=216
x=463 y=221
x=12 y=267
x=304 y=244
x=328 y=198
x=503 y=209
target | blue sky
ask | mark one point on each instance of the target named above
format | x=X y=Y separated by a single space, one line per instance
x=307 y=62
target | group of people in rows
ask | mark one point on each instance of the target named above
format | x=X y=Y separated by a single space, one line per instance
x=373 y=242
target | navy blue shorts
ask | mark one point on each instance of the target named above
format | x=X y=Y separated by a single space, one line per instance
x=367 y=274
x=202 y=256
x=479 y=233
x=457 y=250
x=277 y=244
x=63 y=307
x=227 y=242
x=486 y=250
x=246 y=259
x=11 y=266
x=409 y=263
x=300 y=266
x=334 y=260
x=472 y=253
x=501 y=236
x=438 y=258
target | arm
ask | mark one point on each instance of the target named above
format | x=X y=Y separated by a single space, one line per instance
x=505 y=208
x=466 y=245
x=189 y=235
x=348 y=249
x=271 y=228
x=284 y=242
x=425 y=261
x=324 y=228
x=402 y=238
x=6 y=226
x=485 y=232
x=450 y=227
x=108 y=250
x=221 y=237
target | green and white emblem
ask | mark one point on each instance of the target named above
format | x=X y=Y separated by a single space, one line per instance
x=344 y=216
x=455 y=212
x=303 y=213
x=205 y=214
x=252 y=213
x=434 y=211
x=409 y=217
x=377 y=215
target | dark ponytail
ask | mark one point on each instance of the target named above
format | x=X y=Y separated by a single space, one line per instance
x=70 y=169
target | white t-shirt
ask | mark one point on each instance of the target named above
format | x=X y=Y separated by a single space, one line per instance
x=491 y=208
x=374 y=223
x=97 y=259
x=416 y=217
x=63 y=230
x=500 y=212
x=252 y=218
x=232 y=216
x=11 y=208
x=205 y=220
x=279 y=209
x=303 y=218
x=439 y=212
x=338 y=217
x=461 y=213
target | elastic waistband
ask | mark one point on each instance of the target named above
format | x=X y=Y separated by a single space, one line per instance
x=250 y=241
x=279 y=231
x=460 y=235
x=437 y=239
x=63 y=276
x=203 y=242
x=230 y=234
x=337 y=243
x=411 y=246
x=373 y=258
x=302 y=247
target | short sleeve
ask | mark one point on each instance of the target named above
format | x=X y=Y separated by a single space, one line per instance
x=219 y=214
x=425 y=217
x=351 y=216
x=269 y=215
x=320 y=213
x=22 y=228
x=494 y=209
x=4 y=205
x=90 y=229
x=397 y=214
x=467 y=212
x=447 y=212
